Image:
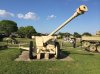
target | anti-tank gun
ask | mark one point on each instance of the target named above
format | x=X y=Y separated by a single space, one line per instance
x=47 y=44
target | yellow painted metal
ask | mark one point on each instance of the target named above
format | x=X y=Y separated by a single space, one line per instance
x=86 y=44
x=91 y=38
x=98 y=48
x=50 y=47
x=92 y=48
x=79 y=11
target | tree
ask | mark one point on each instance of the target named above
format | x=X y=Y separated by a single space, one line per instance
x=30 y=31
x=87 y=34
x=7 y=27
x=67 y=34
x=77 y=35
x=27 y=31
x=21 y=32
x=64 y=34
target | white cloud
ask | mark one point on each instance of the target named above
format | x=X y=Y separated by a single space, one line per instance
x=28 y=16
x=4 y=13
x=20 y=15
x=51 y=17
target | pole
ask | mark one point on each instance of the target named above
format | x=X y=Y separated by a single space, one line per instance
x=79 y=11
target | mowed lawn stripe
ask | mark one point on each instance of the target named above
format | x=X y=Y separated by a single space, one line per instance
x=84 y=63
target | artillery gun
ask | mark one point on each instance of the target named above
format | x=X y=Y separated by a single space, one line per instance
x=91 y=43
x=47 y=44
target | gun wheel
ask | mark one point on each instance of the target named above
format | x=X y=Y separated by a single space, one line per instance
x=57 y=52
x=92 y=48
x=31 y=50
x=98 y=48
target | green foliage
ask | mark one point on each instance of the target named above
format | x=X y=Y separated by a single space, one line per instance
x=86 y=34
x=83 y=63
x=8 y=26
x=23 y=41
x=77 y=35
x=64 y=34
x=27 y=31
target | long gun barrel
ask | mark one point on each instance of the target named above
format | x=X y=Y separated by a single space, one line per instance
x=79 y=11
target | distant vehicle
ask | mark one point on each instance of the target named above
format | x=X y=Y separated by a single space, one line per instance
x=2 y=36
x=91 y=43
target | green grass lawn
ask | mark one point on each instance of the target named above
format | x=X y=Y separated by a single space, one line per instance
x=25 y=42
x=22 y=41
x=83 y=63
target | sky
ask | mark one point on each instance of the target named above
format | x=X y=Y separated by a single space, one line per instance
x=47 y=15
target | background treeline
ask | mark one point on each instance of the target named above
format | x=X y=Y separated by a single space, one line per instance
x=10 y=28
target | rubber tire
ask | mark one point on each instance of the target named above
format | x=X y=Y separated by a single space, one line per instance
x=57 y=46
x=31 y=50
x=98 y=48
x=92 y=48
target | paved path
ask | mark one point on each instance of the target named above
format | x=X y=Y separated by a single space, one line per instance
x=25 y=57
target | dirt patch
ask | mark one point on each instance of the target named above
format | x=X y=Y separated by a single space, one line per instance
x=25 y=57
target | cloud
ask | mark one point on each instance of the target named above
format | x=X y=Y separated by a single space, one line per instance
x=20 y=15
x=51 y=17
x=4 y=13
x=28 y=16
